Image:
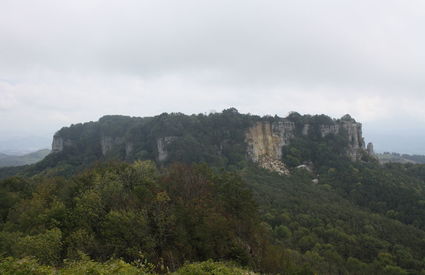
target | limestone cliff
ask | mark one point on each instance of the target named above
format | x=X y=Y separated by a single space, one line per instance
x=353 y=130
x=59 y=143
x=107 y=143
x=265 y=141
x=370 y=148
x=228 y=138
x=356 y=143
x=161 y=145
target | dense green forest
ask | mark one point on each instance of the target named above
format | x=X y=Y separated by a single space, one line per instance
x=208 y=209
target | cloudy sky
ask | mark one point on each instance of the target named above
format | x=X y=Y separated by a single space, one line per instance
x=64 y=62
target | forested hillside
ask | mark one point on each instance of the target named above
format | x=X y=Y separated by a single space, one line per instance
x=96 y=204
x=8 y=160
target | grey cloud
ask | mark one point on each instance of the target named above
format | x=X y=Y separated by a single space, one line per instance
x=69 y=61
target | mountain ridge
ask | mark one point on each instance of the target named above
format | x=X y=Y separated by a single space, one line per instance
x=223 y=139
x=30 y=158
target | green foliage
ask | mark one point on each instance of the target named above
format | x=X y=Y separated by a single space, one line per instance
x=321 y=230
x=329 y=151
x=29 y=266
x=45 y=247
x=133 y=212
x=211 y=268
x=110 y=267
x=25 y=266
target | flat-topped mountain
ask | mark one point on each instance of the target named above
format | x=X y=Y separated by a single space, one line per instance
x=226 y=138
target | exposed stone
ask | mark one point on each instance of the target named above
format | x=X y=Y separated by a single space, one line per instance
x=305 y=167
x=60 y=143
x=329 y=129
x=315 y=181
x=107 y=143
x=306 y=129
x=370 y=148
x=128 y=148
x=161 y=144
x=356 y=144
x=265 y=141
x=57 y=144
x=273 y=165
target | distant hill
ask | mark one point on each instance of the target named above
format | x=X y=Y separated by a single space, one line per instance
x=22 y=145
x=400 y=158
x=8 y=160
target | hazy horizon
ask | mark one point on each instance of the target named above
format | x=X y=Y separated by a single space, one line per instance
x=25 y=144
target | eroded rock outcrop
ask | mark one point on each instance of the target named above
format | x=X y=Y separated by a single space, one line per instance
x=370 y=148
x=356 y=143
x=353 y=129
x=161 y=145
x=59 y=143
x=107 y=143
x=306 y=129
x=265 y=141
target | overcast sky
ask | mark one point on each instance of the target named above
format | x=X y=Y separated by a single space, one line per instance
x=64 y=62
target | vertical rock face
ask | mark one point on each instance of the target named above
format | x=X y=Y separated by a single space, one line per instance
x=329 y=129
x=356 y=144
x=128 y=148
x=306 y=129
x=108 y=143
x=265 y=141
x=57 y=144
x=161 y=144
x=370 y=148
